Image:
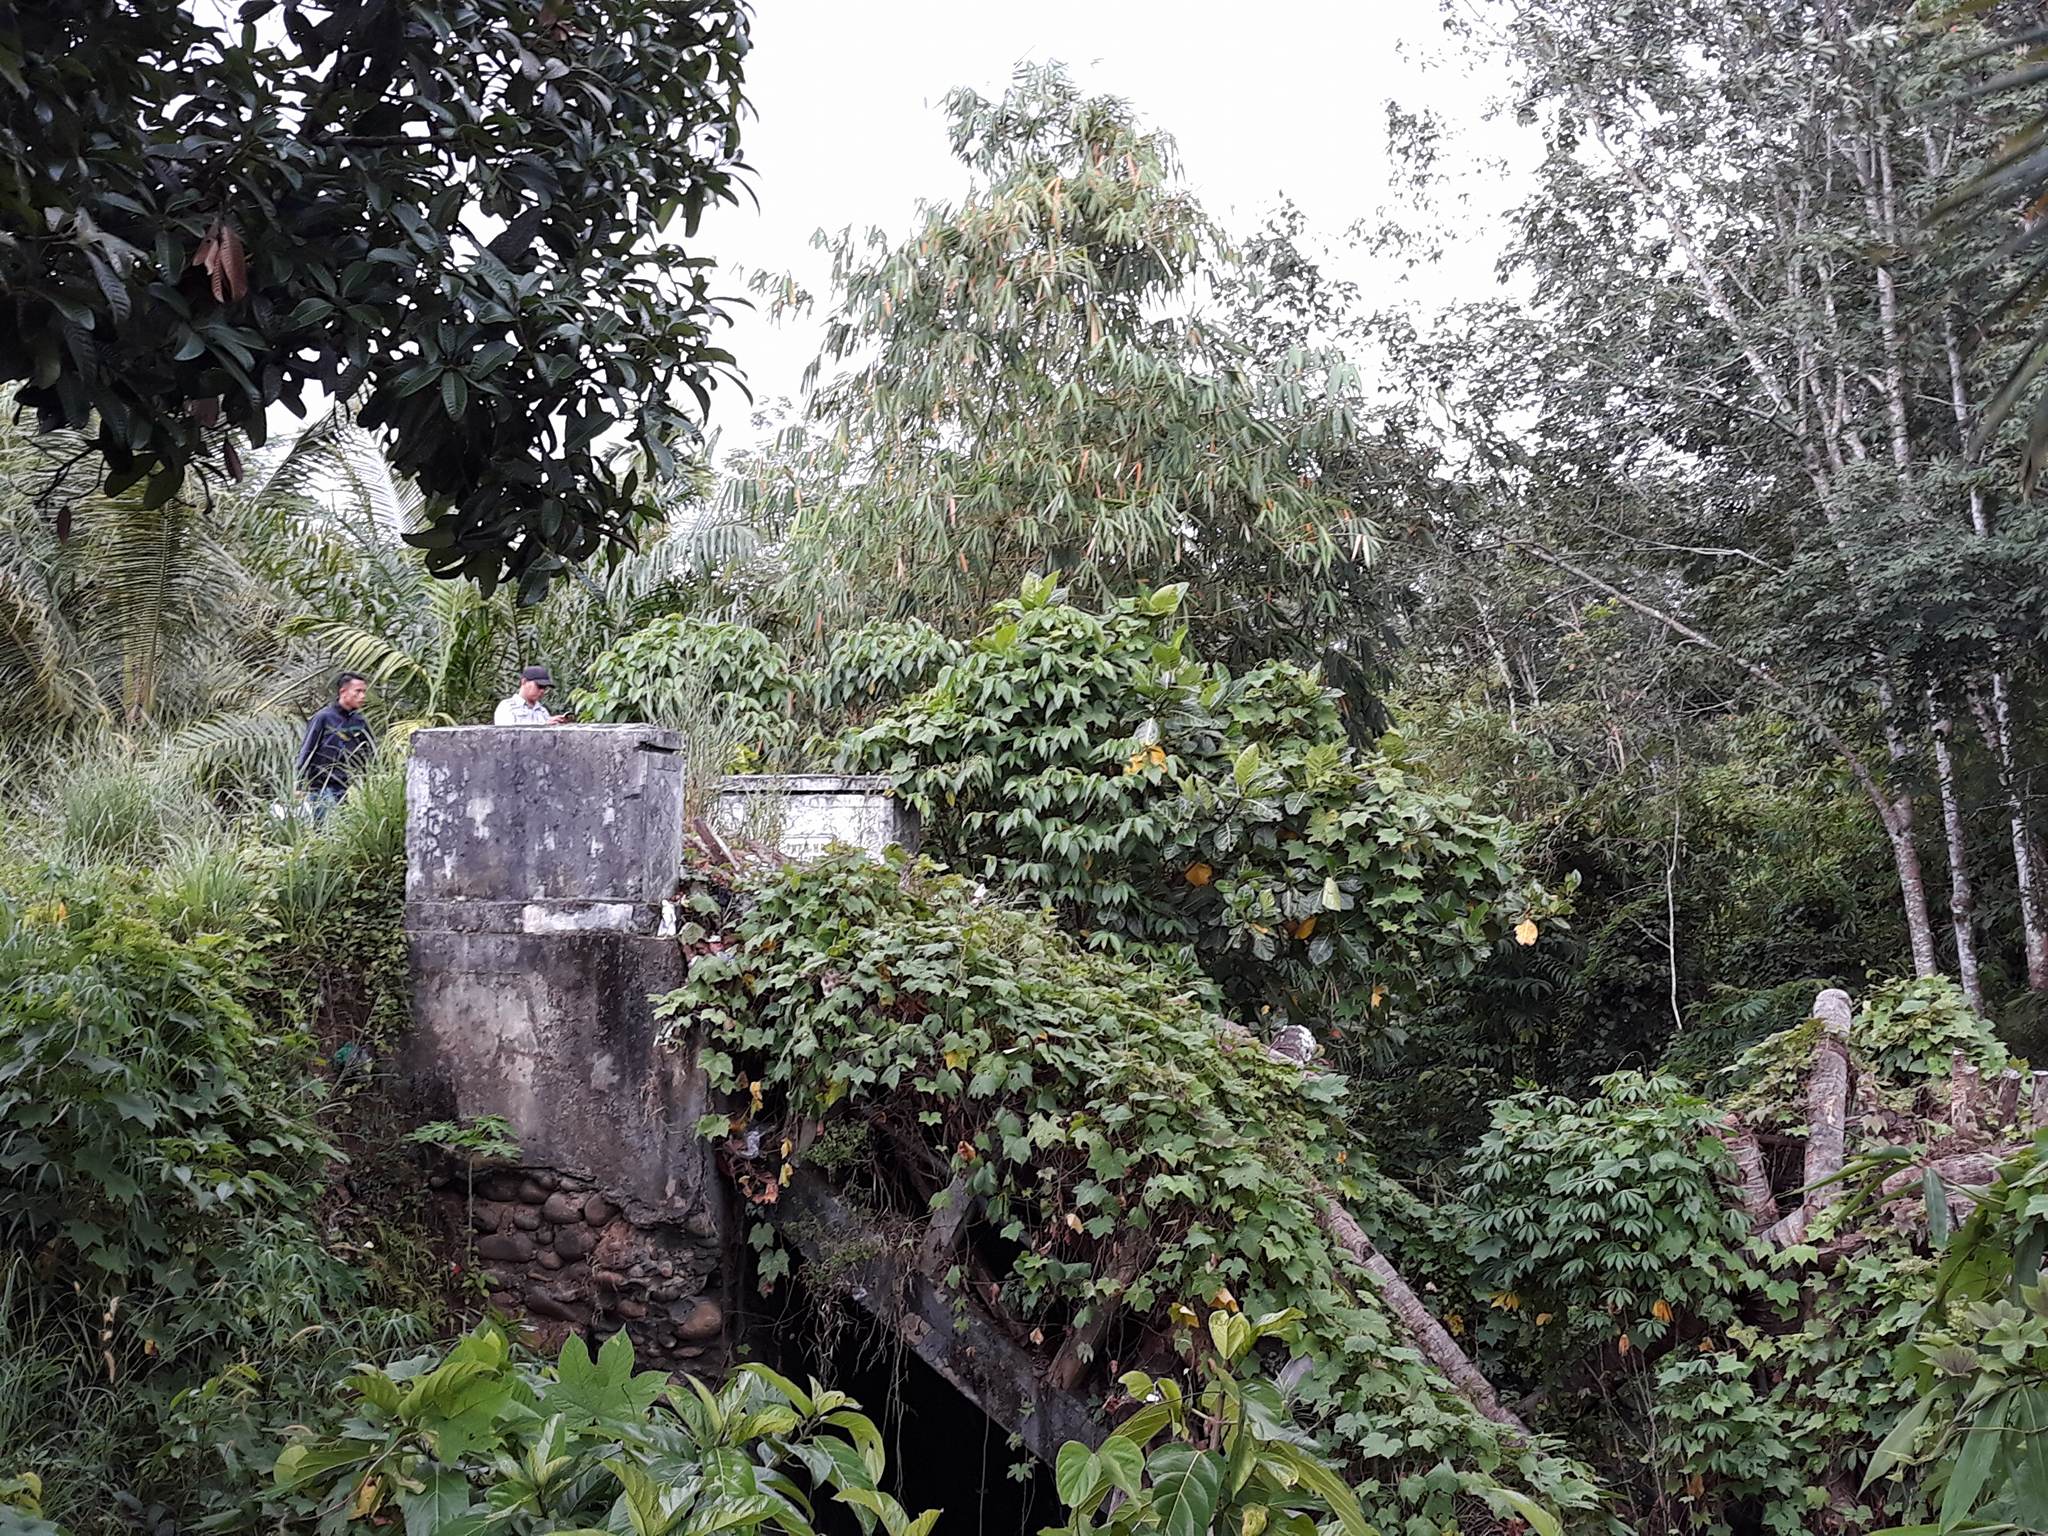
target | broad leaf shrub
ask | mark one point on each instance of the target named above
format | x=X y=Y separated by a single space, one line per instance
x=679 y=670
x=1231 y=1457
x=1106 y=1119
x=1612 y=1269
x=777 y=705
x=871 y=667
x=169 y=1304
x=1769 y=1421
x=1150 y=799
x=1602 y=1224
x=142 y=1108
x=485 y=1438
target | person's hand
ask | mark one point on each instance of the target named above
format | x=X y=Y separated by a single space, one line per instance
x=558 y=719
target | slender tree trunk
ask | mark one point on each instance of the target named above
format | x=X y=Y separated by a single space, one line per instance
x=1995 y=724
x=1912 y=887
x=1962 y=901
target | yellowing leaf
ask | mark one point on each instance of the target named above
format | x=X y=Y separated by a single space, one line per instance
x=1624 y=1344
x=1542 y=1318
x=1661 y=1311
x=1525 y=931
x=956 y=1058
x=1073 y=1221
x=1223 y=1299
x=369 y=1494
x=1454 y=1322
x=1507 y=1301
x=1304 y=928
x=754 y=1094
x=1199 y=874
x=1181 y=1315
x=1379 y=995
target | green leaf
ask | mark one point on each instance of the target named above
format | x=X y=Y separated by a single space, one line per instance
x=798 y=1398
x=1936 y=1194
x=1315 y=1475
x=1246 y=767
x=1507 y=1500
x=454 y=395
x=1897 y=1445
x=300 y=1464
x=605 y=1391
x=1075 y=1473
x=443 y=1497
x=1144 y=1424
x=1973 y=1464
x=1122 y=1462
x=866 y=1438
x=1185 y=1486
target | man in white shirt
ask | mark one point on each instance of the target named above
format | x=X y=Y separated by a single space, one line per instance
x=525 y=707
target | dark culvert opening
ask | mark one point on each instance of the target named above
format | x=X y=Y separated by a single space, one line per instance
x=944 y=1452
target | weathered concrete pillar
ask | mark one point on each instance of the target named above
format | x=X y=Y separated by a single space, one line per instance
x=539 y=865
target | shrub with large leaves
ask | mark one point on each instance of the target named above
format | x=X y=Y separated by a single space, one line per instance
x=1603 y=1223
x=1128 y=1152
x=485 y=1438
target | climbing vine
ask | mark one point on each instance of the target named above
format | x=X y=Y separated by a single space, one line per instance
x=1137 y=1159
x=1155 y=802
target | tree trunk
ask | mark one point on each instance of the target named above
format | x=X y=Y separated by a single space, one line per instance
x=1912 y=886
x=1430 y=1336
x=1827 y=1118
x=1996 y=723
x=1962 y=900
x=1757 y=1197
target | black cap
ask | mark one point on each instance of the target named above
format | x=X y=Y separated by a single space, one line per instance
x=536 y=675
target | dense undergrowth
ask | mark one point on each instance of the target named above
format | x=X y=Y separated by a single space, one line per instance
x=218 y=1232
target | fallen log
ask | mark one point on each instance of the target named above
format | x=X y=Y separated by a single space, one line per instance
x=1430 y=1336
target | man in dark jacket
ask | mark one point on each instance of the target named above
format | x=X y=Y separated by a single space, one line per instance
x=337 y=740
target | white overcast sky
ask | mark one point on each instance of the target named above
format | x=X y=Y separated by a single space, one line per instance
x=1265 y=98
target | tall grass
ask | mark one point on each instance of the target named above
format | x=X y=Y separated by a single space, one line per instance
x=63 y=1415
x=205 y=885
